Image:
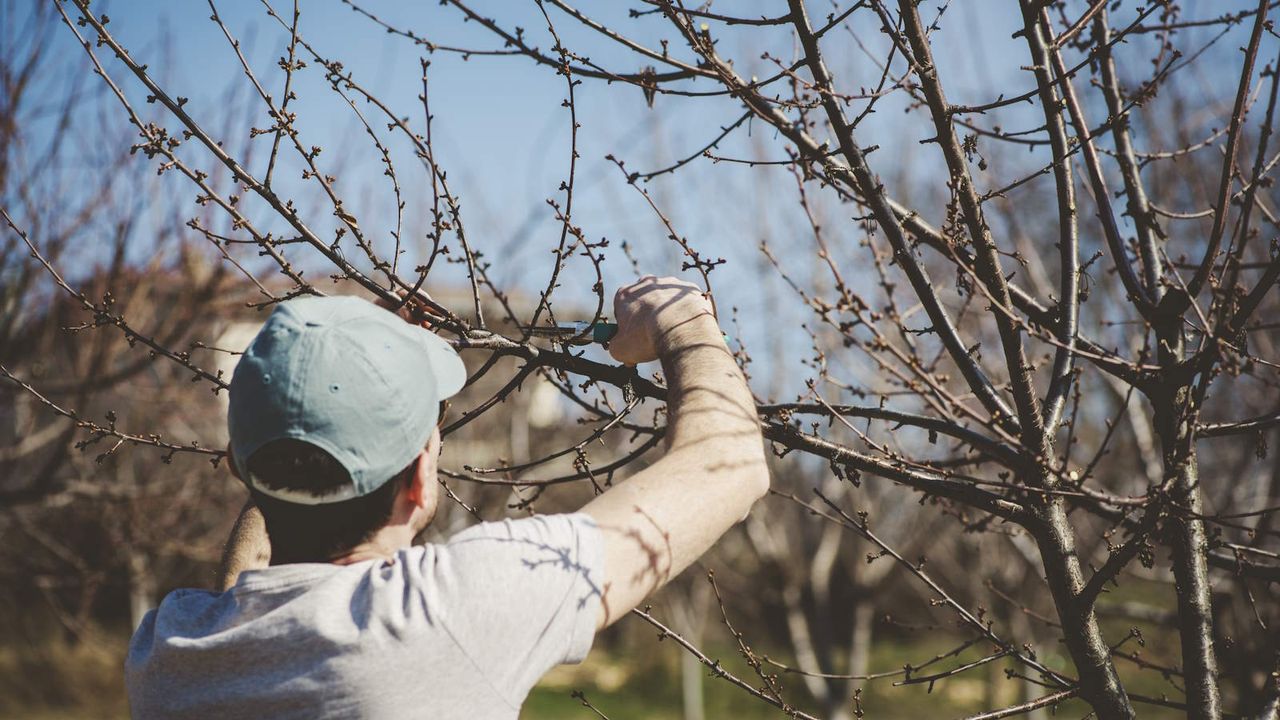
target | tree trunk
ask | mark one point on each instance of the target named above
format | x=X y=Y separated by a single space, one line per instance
x=1175 y=409
x=1028 y=691
x=994 y=684
x=864 y=612
x=1186 y=537
x=839 y=696
x=691 y=687
x=1099 y=683
x=689 y=608
x=142 y=589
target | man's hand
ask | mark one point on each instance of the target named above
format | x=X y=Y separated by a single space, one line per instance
x=657 y=316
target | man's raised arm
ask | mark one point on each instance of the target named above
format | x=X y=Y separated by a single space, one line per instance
x=248 y=547
x=663 y=518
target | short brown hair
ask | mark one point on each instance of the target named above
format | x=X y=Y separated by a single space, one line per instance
x=316 y=533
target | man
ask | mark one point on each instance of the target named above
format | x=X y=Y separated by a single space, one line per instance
x=333 y=417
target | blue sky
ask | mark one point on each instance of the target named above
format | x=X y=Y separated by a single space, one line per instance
x=502 y=134
x=500 y=127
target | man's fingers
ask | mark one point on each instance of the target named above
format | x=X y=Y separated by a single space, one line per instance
x=620 y=355
x=627 y=348
x=648 y=308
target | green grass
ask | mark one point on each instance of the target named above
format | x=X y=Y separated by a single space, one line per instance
x=648 y=687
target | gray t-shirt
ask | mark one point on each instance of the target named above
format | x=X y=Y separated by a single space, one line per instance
x=460 y=630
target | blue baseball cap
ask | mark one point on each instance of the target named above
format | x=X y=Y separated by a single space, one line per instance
x=344 y=375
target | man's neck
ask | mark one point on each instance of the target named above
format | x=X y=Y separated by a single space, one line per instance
x=384 y=545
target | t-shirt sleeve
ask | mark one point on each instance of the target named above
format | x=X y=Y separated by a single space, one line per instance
x=522 y=596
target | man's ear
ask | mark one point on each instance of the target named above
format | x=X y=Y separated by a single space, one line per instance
x=231 y=463
x=415 y=491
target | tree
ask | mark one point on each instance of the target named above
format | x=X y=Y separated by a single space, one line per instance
x=1093 y=392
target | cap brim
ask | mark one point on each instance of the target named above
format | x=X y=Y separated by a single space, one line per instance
x=450 y=374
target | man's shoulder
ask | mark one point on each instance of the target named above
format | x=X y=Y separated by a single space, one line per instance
x=280 y=602
x=557 y=525
x=193 y=613
x=544 y=558
x=173 y=617
x=180 y=602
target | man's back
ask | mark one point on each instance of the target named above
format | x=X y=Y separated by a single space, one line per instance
x=462 y=630
x=334 y=419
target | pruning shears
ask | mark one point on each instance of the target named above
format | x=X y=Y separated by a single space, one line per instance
x=575 y=333
x=578 y=332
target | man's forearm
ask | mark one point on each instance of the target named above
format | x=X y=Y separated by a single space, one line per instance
x=708 y=403
x=247 y=548
x=660 y=520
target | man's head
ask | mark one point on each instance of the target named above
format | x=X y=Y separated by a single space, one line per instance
x=333 y=418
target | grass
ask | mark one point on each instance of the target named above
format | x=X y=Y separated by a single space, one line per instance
x=649 y=688
x=55 y=680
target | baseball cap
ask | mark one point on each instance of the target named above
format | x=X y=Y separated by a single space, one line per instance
x=346 y=376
